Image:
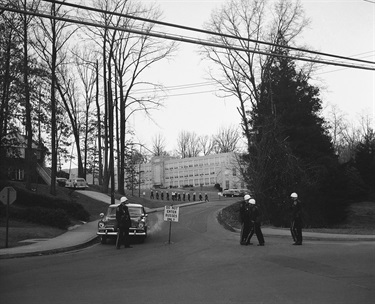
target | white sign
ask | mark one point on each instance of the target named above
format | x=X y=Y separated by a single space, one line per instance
x=171 y=213
x=8 y=194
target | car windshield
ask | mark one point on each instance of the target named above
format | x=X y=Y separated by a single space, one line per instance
x=134 y=211
x=111 y=212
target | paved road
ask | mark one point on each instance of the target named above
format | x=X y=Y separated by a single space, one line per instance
x=204 y=264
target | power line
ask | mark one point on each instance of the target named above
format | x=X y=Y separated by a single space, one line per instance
x=204 y=31
x=186 y=40
x=176 y=87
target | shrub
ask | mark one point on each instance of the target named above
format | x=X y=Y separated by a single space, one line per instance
x=55 y=218
x=72 y=209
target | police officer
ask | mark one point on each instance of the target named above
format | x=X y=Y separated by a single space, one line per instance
x=296 y=224
x=245 y=219
x=255 y=219
x=123 y=223
x=205 y=197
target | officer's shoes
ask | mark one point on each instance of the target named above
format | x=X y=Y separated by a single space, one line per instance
x=260 y=244
x=297 y=243
x=249 y=244
x=128 y=247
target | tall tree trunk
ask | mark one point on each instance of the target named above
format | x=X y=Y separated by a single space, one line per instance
x=53 y=105
x=106 y=175
x=120 y=189
x=99 y=127
x=29 y=134
x=111 y=144
x=121 y=176
x=4 y=105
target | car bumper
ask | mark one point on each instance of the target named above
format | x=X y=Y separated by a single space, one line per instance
x=132 y=231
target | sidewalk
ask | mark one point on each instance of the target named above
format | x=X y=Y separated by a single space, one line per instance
x=85 y=235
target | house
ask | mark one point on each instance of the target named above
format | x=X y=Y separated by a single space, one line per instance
x=13 y=156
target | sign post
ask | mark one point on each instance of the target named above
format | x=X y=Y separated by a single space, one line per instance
x=171 y=214
x=8 y=195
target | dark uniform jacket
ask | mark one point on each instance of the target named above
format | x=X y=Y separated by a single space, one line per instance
x=123 y=216
x=245 y=211
x=296 y=210
x=255 y=215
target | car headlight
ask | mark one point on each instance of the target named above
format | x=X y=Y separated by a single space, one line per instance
x=101 y=224
x=141 y=225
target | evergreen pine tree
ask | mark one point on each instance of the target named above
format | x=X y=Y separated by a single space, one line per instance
x=292 y=150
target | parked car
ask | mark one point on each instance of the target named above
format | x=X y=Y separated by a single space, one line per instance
x=243 y=192
x=231 y=192
x=235 y=192
x=61 y=181
x=107 y=225
x=76 y=183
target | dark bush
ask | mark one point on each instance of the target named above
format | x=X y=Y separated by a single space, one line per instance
x=72 y=209
x=55 y=218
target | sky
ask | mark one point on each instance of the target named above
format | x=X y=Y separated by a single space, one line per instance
x=341 y=27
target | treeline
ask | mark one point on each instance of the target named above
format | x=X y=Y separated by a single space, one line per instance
x=291 y=147
x=62 y=81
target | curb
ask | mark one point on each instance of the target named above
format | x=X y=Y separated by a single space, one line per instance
x=92 y=241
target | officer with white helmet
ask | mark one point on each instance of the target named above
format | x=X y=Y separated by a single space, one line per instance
x=124 y=223
x=255 y=219
x=245 y=219
x=296 y=223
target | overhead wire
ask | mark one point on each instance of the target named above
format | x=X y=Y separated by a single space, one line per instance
x=203 y=31
x=186 y=40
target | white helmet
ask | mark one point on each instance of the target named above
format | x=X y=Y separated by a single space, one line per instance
x=246 y=197
x=252 y=201
x=123 y=199
x=294 y=195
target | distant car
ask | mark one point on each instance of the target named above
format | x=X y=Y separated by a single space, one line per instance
x=61 y=181
x=243 y=192
x=235 y=192
x=230 y=192
x=107 y=224
x=76 y=183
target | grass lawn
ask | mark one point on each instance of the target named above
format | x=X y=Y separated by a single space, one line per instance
x=20 y=230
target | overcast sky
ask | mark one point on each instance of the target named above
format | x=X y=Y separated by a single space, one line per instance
x=341 y=27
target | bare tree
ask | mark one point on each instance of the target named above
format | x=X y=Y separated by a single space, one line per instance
x=158 y=145
x=239 y=73
x=188 y=144
x=26 y=20
x=338 y=126
x=51 y=38
x=85 y=66
x=207 y=144
x=134 y=54
x=226 y=140
x=126 y=57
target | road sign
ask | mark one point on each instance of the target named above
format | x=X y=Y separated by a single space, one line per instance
x=8 y=195
x=171 y=213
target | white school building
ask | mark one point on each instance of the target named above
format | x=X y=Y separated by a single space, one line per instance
x=166 y=171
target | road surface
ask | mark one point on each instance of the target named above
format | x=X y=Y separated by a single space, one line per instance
x=203 y=264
